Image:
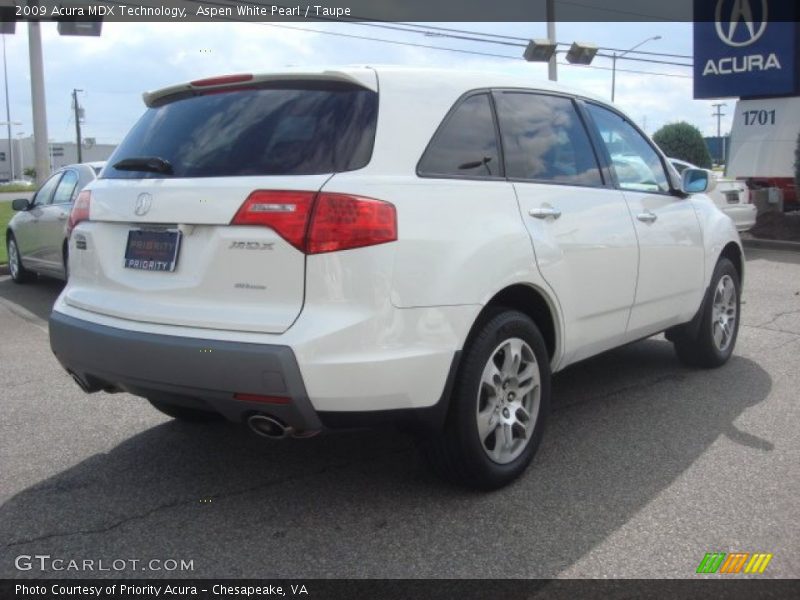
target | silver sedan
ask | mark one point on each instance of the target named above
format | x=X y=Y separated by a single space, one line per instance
x=36 y=238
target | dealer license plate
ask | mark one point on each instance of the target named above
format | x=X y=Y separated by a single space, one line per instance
x=152 y=250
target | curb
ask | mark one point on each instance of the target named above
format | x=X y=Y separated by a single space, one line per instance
x=771 y=244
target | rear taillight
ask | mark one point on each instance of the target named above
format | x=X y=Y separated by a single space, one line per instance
x=340 y=222
x=284 y=211
x=80 y=210
x=321 y=222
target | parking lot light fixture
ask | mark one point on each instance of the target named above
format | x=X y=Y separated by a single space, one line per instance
x=581 y=53
x=539 y=50
x=615 y=56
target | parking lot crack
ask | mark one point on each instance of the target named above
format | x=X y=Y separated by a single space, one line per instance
x=794 y=333
x=777 y=316
x=192 y=501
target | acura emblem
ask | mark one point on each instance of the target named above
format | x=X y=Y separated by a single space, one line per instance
x=143 y=203
x=741 y=13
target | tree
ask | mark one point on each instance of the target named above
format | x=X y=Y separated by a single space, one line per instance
x=685 y=142
x=30 y=172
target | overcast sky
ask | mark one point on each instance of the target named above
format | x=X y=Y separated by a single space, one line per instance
x=129 y=58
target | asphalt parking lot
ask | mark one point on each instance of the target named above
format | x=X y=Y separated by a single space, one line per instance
x=646 y=466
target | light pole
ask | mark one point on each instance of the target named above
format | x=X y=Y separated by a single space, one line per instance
x=8 y=110
x=10 y=149
x=615 y=56
x=21 y=155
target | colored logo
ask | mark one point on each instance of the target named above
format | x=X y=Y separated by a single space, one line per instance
x=734 y=562
x=741 y=13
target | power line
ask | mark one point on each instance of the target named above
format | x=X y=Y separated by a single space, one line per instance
x=688 y=56
x=637 y=72
x=462 y=34
x=455 y=36
x=647 y=60
x=402 y=43
x=613 y=10
x=414 y=28
x=383 y=40
x=439 y=28
x=418 y=45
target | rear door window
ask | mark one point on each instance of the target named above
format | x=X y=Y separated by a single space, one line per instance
x=465 y=145
x=66 y=187
x=545 y=140
x=299 y=128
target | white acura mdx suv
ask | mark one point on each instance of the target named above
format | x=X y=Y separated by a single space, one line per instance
x=327 y=249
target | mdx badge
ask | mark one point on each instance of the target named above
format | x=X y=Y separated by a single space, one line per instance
x=251 y=245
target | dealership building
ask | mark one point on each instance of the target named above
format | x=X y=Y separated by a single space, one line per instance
x=748 y=49
x=61 y=154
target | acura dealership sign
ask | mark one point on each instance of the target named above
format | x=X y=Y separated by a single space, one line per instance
x=745 y=48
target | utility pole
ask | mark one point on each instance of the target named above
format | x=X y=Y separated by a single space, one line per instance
x=719 y=114
x=77 y=108
x=552 y=72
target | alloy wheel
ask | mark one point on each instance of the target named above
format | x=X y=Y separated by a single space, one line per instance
x=723 y=313
x=508 y=400
x=13 y=258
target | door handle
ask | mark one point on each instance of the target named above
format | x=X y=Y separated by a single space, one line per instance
x=544 y=212
x=647 y=216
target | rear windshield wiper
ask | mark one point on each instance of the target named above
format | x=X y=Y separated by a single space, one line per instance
x=154 y=164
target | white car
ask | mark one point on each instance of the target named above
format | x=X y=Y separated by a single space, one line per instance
x=731 y=196
x=311 y=250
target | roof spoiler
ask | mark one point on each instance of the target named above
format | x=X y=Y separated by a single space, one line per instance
x=366 y=78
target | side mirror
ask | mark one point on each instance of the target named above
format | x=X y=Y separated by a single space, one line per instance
x=20 y=204
x=695 y=181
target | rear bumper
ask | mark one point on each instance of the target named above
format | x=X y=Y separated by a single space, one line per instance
x=188 y=372
x=205 y=374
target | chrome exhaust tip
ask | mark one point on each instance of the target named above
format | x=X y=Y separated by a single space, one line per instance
x=268 y=427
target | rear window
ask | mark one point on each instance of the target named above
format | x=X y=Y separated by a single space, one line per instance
x=292 y=129
x=466 y=143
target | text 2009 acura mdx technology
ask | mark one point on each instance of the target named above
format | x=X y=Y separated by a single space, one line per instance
x=343 y=248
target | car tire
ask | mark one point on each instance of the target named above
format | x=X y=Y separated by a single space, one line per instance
x=184 y=413
x=711 y=344
x=65 y=255
x=487 y=440
x=19 y=274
